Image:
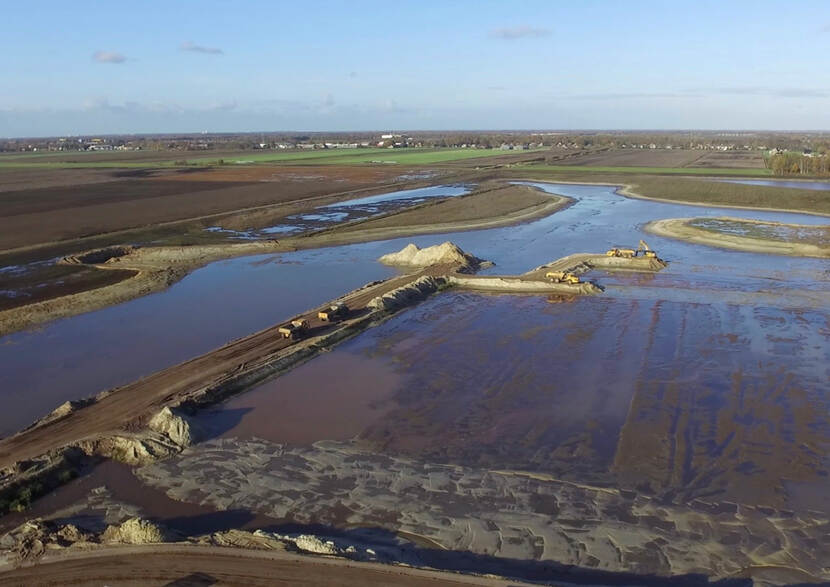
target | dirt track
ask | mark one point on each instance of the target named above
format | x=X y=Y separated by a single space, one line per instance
x=205 y=565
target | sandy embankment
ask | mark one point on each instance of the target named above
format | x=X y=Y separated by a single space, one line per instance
x=160 y=267
x=680 y=228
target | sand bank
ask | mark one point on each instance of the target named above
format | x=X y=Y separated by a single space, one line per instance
x=681 y=229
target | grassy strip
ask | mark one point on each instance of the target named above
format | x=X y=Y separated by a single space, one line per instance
x=427 y=157
x=655 y=170
x=321 y=157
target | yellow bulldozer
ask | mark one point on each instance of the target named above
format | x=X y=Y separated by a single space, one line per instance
x=562 y=277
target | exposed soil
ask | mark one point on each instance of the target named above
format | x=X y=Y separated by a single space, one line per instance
x=730 y=159
x=54 y=281
x=667 y=158
x=817 y=245
x=635 y=158
x=47 y=214
x=17 y=179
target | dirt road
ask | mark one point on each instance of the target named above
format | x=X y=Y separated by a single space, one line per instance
x=205 y=565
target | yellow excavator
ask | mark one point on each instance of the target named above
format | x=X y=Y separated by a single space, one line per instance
x=562 y=277
x=647 y=252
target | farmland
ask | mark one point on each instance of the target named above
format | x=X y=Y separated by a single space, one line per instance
x=661 y=159
x=412 y=156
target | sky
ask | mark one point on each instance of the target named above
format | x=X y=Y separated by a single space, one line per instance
x=154 y=66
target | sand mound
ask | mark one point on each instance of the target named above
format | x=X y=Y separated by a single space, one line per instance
x=135 y=531
x=175 y=426
x=63 y=410
x=34 y=538
x=445 y=253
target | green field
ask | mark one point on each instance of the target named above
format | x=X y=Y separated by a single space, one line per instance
x=655 y=170
x=424 y=156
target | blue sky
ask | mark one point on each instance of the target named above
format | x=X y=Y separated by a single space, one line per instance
x=187 y=66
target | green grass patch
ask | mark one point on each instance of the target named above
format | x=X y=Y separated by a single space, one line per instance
x=428 y=156
x=424 y=156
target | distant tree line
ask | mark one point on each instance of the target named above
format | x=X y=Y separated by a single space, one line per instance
x=797 y=163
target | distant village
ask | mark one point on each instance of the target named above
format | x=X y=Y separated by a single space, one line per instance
x=769 y=143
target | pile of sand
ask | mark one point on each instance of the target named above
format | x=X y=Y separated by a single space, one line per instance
x=175 y=426
x=167 y=433
x=35 y=537
x=446 y=253
x=135 y=531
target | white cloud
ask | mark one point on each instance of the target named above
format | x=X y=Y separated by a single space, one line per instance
x=194 y=48
x=108 y=57
x=519 y=32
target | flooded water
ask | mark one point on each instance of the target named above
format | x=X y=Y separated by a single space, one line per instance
x=95 y=351
x=82 y=355
x=817 y=235
x=782 y=183
x=590 y=390
x=618 y=431
x=356 y=209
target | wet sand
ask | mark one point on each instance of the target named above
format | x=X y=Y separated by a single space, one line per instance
x=684 y=229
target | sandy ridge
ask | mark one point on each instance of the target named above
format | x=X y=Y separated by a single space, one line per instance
x=680 y=229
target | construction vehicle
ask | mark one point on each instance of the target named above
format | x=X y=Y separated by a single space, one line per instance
x=647 y=252
x=562 y=277
x=334 y=313
x=294 y=329
x=625 y=253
